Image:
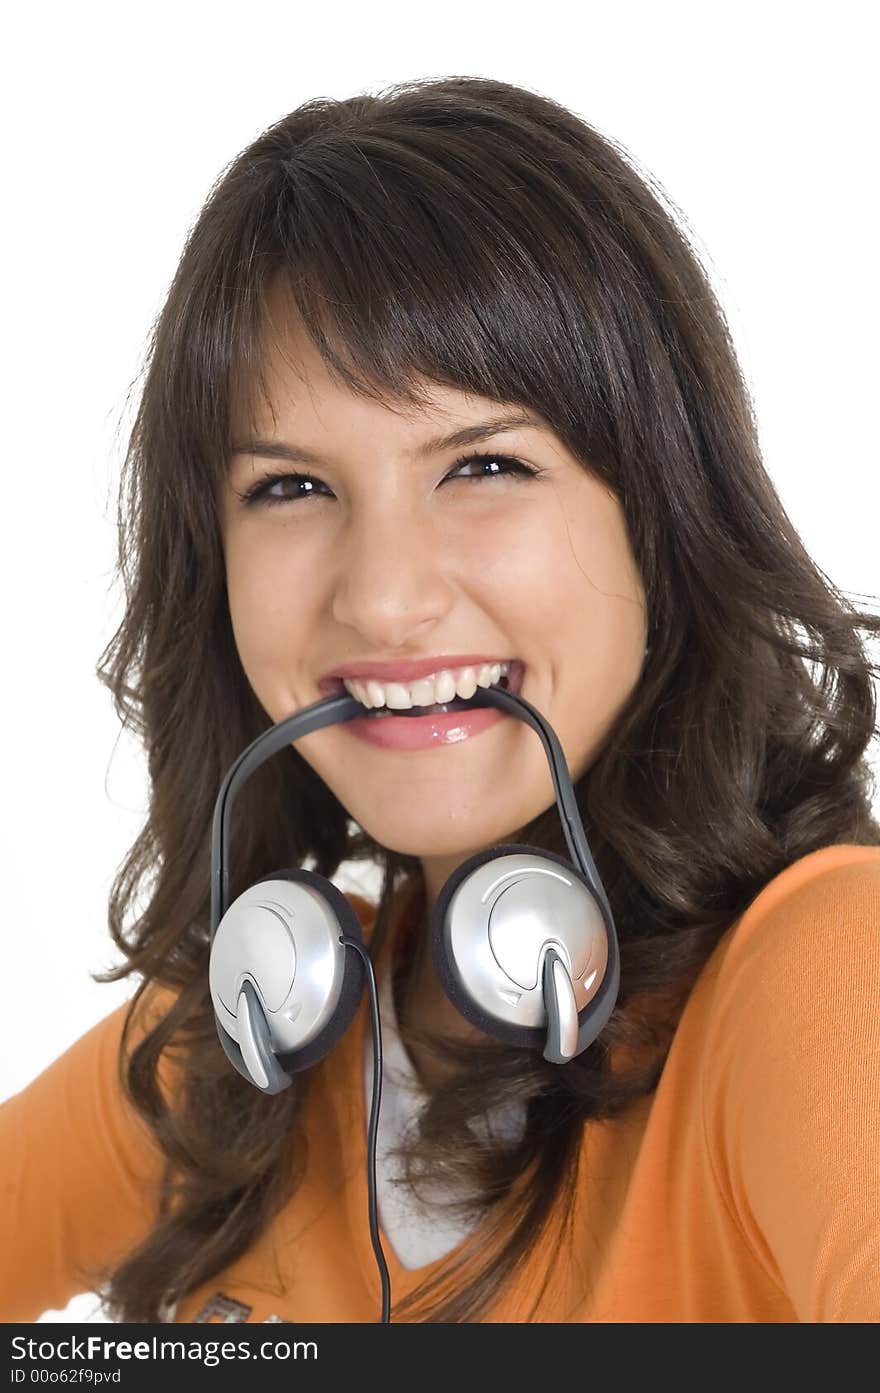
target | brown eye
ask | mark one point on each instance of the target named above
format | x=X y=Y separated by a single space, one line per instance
x=506 y=464
x=259 y=492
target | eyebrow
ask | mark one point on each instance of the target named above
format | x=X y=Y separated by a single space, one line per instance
x=467 y=435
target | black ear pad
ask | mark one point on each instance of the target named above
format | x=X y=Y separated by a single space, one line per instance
x=444 y=964
x=292 y=1061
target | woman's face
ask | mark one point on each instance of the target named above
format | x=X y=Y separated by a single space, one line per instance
x=397 y=554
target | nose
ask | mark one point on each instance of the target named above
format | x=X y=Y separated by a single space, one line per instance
x=392 y=578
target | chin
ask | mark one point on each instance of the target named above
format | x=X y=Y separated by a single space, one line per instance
x=437 y=839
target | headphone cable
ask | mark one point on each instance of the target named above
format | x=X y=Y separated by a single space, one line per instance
x=373 y=1128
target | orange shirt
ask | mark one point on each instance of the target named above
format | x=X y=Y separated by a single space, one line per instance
x=746 y=1188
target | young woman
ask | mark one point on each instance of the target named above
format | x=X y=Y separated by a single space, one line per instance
x=440 y=385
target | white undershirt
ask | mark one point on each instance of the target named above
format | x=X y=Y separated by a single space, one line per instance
x=418 y=1235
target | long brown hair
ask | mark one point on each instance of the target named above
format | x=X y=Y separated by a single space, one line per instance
x=475 y=234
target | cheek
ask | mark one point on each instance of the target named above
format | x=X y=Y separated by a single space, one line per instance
x=267 y=592
x=567 y=575
x=542 y=592
x=600 y=630
x=513 y=559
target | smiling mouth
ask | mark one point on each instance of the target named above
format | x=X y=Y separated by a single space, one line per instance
x=439 y=708
x=511 y=681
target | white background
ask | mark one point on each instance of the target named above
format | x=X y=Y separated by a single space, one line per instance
x=756 y=119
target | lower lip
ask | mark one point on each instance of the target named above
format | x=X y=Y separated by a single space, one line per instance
x=424 y=732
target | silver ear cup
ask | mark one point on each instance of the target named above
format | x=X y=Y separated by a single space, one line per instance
x=503 y=921
x=282 y=937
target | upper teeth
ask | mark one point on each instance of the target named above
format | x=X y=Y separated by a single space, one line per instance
x=426 y=691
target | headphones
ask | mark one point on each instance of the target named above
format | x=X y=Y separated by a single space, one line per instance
x=523 y=942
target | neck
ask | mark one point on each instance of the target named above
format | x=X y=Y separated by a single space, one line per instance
x=421 y=1002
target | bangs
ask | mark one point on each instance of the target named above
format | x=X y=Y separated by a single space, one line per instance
x=407 y=268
